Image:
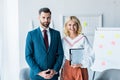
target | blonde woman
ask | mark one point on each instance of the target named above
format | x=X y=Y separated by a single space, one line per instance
x=75 y=39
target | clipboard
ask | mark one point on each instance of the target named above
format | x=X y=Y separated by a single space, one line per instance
x=76 y=55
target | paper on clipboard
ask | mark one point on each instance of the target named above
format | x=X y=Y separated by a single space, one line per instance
x=76 y=55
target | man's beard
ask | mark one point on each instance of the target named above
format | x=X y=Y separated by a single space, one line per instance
x=45 y=24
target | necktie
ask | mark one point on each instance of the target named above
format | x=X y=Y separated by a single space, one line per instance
x=45 y=38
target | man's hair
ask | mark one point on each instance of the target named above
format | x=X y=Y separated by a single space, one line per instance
x=46 y=10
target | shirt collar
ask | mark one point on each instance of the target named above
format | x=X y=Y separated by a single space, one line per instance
x=43 y=29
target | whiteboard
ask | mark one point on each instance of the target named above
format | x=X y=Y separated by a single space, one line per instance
x=89 y=24
x=107 y=49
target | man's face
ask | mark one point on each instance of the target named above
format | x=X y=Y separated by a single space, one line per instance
x=45 y=19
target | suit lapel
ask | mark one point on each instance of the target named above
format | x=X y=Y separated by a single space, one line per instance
x=41 y=38
x=52 y=39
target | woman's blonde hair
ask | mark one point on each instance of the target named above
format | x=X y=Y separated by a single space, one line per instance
x=76 y=20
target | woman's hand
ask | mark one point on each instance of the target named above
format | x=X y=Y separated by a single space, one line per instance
x=76 y=65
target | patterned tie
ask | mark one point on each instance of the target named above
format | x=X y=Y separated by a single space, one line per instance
x=45 y=38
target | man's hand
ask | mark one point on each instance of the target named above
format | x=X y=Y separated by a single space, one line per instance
x=44 y=75
x=52 y=72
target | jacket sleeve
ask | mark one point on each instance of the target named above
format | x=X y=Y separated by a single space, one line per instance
x=59 y=55
x=89 y=55
x=29 y=54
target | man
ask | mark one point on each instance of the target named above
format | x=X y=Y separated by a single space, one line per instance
x=44 y=51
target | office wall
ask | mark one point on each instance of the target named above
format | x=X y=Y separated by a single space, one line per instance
x=1 y=27
x=28 y=11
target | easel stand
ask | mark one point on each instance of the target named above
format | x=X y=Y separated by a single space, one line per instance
x=93 y=75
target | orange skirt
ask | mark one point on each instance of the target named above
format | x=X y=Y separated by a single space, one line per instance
x=70 y=73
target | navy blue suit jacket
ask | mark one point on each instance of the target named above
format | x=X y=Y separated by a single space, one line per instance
x=40 y=59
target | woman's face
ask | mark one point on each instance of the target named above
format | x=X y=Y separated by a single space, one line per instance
x=72 y=27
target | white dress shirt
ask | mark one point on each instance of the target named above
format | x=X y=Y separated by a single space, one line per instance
x=48 y=33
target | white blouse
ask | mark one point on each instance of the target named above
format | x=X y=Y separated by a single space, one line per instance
x=78 y=42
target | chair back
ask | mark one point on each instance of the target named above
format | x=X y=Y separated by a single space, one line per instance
x=24 y=74
x=110 y=74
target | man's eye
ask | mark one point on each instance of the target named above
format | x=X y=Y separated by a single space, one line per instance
x=69 y=24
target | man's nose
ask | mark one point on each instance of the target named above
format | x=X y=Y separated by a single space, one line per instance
x=46 y=20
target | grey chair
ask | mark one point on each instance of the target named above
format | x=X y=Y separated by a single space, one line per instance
x=24 y=74
x=110 y=74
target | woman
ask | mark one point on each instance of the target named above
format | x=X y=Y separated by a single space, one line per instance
x=75 y=39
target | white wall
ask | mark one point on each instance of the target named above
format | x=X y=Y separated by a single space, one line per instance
x=10 y=41
x=1 y=28
x=9 y=58
x=28 y=10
